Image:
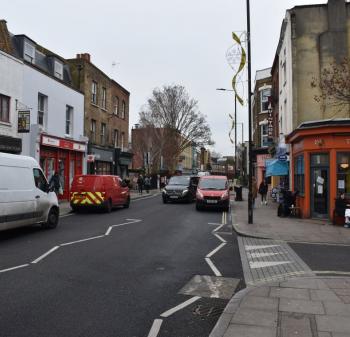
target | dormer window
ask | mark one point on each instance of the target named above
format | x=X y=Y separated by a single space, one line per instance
x=29 y=52
x=58 y=68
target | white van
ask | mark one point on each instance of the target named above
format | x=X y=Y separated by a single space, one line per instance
x=25 y=197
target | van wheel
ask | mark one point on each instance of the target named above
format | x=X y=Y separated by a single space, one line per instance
x=52 y=219
x=127 y=203
x=108 y=208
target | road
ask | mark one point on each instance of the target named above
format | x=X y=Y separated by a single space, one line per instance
x=119 y=274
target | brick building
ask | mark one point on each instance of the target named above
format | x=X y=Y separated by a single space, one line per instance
x=106 y=120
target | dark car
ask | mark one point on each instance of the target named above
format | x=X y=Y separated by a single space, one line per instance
x=180 y=188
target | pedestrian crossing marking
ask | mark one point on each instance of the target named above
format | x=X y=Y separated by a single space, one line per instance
x=255 y=247
x=264 y=264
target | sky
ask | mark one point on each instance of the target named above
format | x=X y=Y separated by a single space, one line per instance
x=147 y=44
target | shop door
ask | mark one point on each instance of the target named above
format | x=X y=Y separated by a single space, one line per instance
x=63 y=170
x=319 y=186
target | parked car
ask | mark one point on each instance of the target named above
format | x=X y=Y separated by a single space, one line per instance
x=213 y=192
x=180 y=188
x=99 y=191
x=25 y=196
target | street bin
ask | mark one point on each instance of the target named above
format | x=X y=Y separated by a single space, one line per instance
x=238 y=191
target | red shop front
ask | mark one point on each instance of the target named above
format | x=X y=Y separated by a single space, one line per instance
x=64 y=156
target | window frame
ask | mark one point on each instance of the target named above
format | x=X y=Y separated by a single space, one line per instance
x=123 y=110
x=299 y=174
x=42 y=113
x=342 y=174
x=58 y=69
x=262 y=135
x=264 y=99
x=93 y=130
x=104 y=98
x=8 y=100
x=103 y=133
x=115 y=139
x=116 y=105
x=29 y=57
x=94 y=90
x=69 y=112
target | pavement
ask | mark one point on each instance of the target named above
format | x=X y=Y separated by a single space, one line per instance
x=269 y=226
x=299 y=303
x=66 y=209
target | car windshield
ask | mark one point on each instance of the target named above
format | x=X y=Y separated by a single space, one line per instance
x=179 y=180
x=212 y=184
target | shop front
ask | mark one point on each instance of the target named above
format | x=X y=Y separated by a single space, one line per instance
x=10 y=144
x=122 y=162
x=101 y=160
x=62 y=156
x=320 y=165
x=261 y=167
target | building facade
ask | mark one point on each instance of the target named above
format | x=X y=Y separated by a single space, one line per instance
x=106 y=118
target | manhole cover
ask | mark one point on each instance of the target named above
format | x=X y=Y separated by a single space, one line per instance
x=208 y=311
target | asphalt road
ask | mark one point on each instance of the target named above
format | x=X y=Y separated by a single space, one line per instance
x=115 y=284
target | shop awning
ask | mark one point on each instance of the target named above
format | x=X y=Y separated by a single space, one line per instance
x=276 y=167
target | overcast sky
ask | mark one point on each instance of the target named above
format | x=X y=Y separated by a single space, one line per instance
x=158 y=42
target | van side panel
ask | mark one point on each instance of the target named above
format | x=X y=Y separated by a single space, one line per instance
x=17 y=202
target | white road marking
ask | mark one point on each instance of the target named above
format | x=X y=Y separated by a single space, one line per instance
x=65 y=215
x=212 y=266
x=155 y=328
x=45 y=255
x=331 y=272
x=180 y=306
x=216 y=229
x=13 y=268
x=254 y=247
x=82 y=240
x=263 y=264
x=220 y=238
x=134 y=220
x=255 y=255
x=216 y=249
x=108 y=230
x=215 y=224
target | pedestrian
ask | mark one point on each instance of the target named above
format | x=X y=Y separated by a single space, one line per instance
x=55 y=183
x=263 y=188
x=342 y=208
x=254 y=190
x=140 y=183
x=147 y=183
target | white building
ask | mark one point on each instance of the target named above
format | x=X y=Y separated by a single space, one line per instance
x=11 y=74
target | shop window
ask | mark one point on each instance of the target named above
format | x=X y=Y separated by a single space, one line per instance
x=299 y=179
x=4 y=109
x=42 y=109
x=343 y=173
x=265 y=94
x=320 y=159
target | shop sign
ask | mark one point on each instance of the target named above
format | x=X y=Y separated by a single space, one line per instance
x=270 y=122
x=63 y=143
x=90 y=158
x=24 y=121
x=283 y=157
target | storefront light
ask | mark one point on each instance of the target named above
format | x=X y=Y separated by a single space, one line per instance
x=344 y=165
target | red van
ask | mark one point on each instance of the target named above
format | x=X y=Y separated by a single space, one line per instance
x=101 y=191
x=213 y=192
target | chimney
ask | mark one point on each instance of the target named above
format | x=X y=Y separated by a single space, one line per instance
x=336 y=15
x=5 y=39
x=84 y=56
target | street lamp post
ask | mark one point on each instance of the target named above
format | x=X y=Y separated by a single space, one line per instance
x=250 y=178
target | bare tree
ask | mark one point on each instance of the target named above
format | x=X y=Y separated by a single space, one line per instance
x=334 y=85
x=176 y=121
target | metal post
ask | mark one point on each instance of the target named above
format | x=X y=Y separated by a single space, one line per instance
x=235 y=136
x=250 y=171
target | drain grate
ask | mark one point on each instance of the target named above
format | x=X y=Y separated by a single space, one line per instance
x=208 y=311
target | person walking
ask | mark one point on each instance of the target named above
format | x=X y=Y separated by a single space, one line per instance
x=263 y=188
x=55 y=183
x=254 y=190
x=140 y=183
x=147 y=184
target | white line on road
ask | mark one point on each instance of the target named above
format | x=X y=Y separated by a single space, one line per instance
x=134 y=220
x=82 y=240
x=13 y=268
x=65 y=215
x=212 y=266
x=180 y=306
x=331 y=272
x=216 y=229
x=220 y=238
x=215 y=224
x=216 y=250
x=108 y=230
x=155 y=328
x=45 y=255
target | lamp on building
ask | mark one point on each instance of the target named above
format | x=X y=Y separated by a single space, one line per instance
x=344 y=165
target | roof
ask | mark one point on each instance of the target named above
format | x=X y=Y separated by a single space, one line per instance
x=262 y=74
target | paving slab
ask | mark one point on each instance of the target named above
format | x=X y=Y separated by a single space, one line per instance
x=324 y=295
x=255 y=317
x=292 y=324
x=293 y=293
x=304 y=283
x=301 y=306
x=338 y=309
x=333 y=324
x=236 y=330
x=261 y=303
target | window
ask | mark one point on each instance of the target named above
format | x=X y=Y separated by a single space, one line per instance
x=116 y=105
x=29 y=52
x=122 y=141
x=94 y=92
x=93 y=131
x=40 y=180
x=264 y=135
x=343 y=173
x=104 y=98
x=69 y=120
x=42 y=109
x=103 y=133
x=265 y=95
x=284 y=73
x=123 y=110
x=4 y=109
x=58 y=70
x=299 y=174
x=115 y=138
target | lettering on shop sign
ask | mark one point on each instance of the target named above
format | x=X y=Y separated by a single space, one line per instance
x=62 y=143
x=319 y=141
x=270 y=122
